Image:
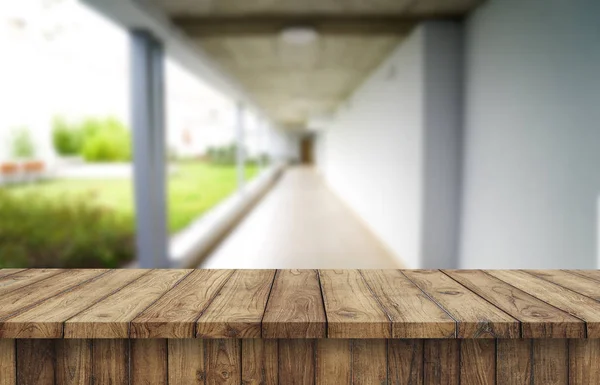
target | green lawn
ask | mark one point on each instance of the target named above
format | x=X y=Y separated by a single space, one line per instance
x=194 y=188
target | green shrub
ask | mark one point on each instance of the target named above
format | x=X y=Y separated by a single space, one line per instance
x=223 y=155
x=105 y=140
x=22 y=145
x=67 y=139
x=37 y=232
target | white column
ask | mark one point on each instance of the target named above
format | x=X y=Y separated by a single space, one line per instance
x=147 y=103
x=240 y=142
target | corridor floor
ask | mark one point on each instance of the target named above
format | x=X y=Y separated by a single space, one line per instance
x=300 y=224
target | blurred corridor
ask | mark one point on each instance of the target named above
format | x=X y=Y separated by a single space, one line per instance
x=301 y=224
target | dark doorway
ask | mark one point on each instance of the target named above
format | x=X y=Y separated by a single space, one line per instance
x=307 y=150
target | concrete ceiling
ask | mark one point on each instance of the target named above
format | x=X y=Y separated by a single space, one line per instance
x=290 y=82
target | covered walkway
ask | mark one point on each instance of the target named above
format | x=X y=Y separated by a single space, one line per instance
x=300 y=223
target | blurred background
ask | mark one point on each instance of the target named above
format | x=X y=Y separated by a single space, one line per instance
x=290 y=134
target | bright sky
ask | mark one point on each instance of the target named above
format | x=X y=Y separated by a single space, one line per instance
x=61 y=58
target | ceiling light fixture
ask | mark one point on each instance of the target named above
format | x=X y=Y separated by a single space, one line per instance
x=299 y=35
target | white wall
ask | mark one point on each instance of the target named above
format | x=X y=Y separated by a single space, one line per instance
x=532 y=135
x=375 y=154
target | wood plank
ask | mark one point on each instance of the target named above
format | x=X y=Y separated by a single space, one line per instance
x=186 y=361
x=334 y=362
x=259 y=362
x=8 y=362
x=223 y=365
x=478 y=361
x=26 y=277
x=550 y=361
x=149 y=362
x=7 y=272
x=476 y=317
x=295 y=307
x=567 y=300
x=110 y=318
x=582 y=285
x=110 y=363
x=513 y=363
x=297 y=361
x=591 y=274
x=35 y=362
x=175 y=314
x=31 y=295
x=351 y=308
x=239 y=307
x=413 y=314
x=405 y=362
x=74 y=362
x=441 y=361
x=538 y=319
x=369 y=361
x=584 y=355
x=46 y=319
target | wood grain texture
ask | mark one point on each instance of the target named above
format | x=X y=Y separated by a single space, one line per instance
x=110 y=363
x=295 y=307
x=23 y=278
x=175 y=314
x=7 y=272
x=223 y=365
x=584 y=356
x=260 y=361
x=551 y=361
x=47 y=318
x=567 y=300
x=35 y=362
x=369 y=361
x=478 y=361
x=591 y=274
x=413 y=314
x=476 y=317
x=441 y=361
x=352 y=309
x=514 y=362
x=29 y=296
x=334 y=362
x=538 y=319
x=110 y=318
x=586 y=286
x=297 y=361
x=74 y=362
x=186 y=361
x=405 y=362
x=148 y=361
x=238 y=309
x=8 y=362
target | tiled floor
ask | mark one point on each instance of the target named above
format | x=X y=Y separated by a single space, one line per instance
x=300 y=224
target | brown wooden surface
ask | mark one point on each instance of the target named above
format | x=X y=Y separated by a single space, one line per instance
x=300 y=361
x=413 y=314
x=49 y=303
x=8 y=362
x=111 y=317
x=73 y=362
x=352 y=309
x=295 y=308
x=405 y=362
x=186 y=361
x=558 y=296
x=174 y=315
x=538 y=319
x=238 y=309
x=475 y=316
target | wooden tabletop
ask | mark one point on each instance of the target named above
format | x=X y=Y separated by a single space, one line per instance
x=52 y=303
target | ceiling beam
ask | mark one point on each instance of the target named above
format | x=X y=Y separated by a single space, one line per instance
x=221 y=26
